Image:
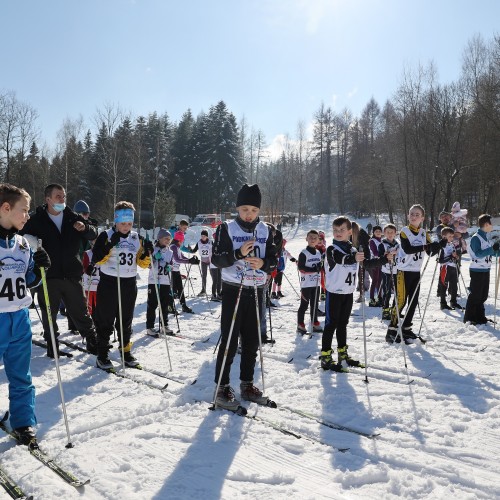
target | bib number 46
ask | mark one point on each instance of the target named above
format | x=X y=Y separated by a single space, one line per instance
x=11 y=290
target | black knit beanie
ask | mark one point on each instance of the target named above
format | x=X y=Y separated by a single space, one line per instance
x=249 y=195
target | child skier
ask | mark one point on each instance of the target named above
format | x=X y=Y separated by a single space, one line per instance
x=388 y=244
x=481 y=252
x=19 y=268
x=284 y=254
x=342 y=266
x=118 y=251
x=309 y=264
x=448 y=275
x=177 y=260
x=414 y=242
x=159 y=277
x=91 y=278
x=245 y=251
x=204 y=247
x=375 y=290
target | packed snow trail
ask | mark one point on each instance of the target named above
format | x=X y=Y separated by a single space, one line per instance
x=438 y=436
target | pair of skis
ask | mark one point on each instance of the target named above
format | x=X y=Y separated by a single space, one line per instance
x=12 y=488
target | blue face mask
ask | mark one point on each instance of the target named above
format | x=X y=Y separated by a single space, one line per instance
x=59 y=207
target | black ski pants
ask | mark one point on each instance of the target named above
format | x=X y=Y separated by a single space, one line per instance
x=408 y=286
x=387 y=289
x=165 y=300
x=107 y=310
x=178 y=287
x=71 y=292
x=309 y=297
x=448 y=277
x=216 y=281
x=245 y=327
x=479 y=289
x=338 y=309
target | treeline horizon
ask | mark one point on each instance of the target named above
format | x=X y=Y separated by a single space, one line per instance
x=429 y=143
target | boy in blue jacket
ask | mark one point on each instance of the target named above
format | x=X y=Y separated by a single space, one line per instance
x=481 y=252
x=19 y=269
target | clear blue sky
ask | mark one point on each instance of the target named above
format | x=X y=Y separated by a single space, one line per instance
x=273 y=61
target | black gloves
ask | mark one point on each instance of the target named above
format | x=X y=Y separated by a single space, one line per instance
x=194 y=260
x=293 y=259
x=434 y=247
x=115 y=238
x=147 y=245
x=90 y=269
x=496 y=246
x=41 y=258
x=317 y=267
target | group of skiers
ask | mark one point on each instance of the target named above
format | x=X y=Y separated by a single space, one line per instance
x=246 y=256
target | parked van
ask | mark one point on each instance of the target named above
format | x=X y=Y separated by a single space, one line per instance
x=211 y=220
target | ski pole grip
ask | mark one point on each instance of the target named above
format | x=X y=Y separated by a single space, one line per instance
x=39 y=244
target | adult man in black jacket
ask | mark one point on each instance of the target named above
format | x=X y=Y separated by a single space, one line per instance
x=62 y=232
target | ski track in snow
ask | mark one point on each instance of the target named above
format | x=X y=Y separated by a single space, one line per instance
x=439 y=435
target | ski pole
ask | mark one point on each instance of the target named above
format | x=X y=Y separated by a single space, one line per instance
x=363 y=317
x=259 y=333
x=315 y=301
x=176 y=314
x=206 y=294
x=54 y=347
x=268 y=302
x=415 y=293
x=293 y=288
x=228 y=342
x=157 y=288
x=399 y=325
x=118 y=284
x=428 y=297
x=496 y=294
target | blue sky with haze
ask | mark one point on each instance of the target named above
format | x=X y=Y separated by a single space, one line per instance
x=272 y=61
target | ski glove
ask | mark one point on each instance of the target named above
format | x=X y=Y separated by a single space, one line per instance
x=434 y=247
x=41 y=258
x=293 y=259
x=194 y=260
x=90 y=269
x=148 y=247
x=157 y=255
x=496 y=246
x=115 y=239
x=317 y=267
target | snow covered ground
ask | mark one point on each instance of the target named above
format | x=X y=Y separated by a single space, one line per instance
x=439 y=436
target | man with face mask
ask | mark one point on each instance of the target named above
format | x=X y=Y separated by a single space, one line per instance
x=62 y=232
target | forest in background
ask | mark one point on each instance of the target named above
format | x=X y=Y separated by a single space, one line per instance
x=429 y=143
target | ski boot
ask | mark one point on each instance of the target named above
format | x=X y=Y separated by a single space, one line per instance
x=408 y=336
x=187 y=309
x=104 y=363
x=327 y=362
x=151 y=332
x=344 y=356
x=226 y=399
x=251 y=393
x=317 y=327
x=26 y=435
x=445 y=307
x=301 y=328
x=274 y=296
x=279 y=295
x=392 y=335
x=372 y=303
x=129 y=359
x=456 y=306
x=202 y=293
x=386 y=313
